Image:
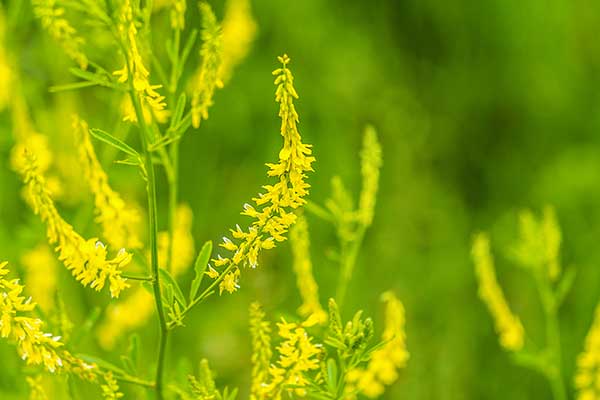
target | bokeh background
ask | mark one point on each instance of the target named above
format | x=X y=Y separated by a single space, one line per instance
x=482 y=108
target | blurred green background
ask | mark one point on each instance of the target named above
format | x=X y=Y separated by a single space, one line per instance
x=482 y=108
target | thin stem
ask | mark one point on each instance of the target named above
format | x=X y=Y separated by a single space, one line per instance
x=153 y=225
x=138 y=278
x=348 y=257
x=135 y=381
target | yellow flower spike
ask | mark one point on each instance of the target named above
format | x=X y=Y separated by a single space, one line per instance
x=178 y=8
x=587 y=378
x=260 y=330
x=297 y=355
x=110 y=389
x=34 y=346
x=86 y=259
x=53 y=20
x=273 y=214
x=382 y=369
x=6 y=74
x=239 y=31
x=370 y=166
x=309 y=291
x=120 y=223
x=135 y=66
x=508 y=325
x=206 y=79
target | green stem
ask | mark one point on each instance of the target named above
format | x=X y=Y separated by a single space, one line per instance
x=348 y=256
x=153 y=227
x=554 y=369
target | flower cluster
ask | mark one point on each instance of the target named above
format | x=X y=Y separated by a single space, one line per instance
x=134 y=62
x=273 y=214
x=539 y=245
x=370 y=166
x=35 y=346
x=178 y=8
x=239 y=30
x=260 y=330
x=508 y=325
x=385 y=361
x=298 y=355
x=206 y=79
x=53 y=20
x=119 y=222
x=307 y=286
x=587 y=377
x=86 y=259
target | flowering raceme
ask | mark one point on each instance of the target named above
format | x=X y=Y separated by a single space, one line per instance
x=508 y=326
x=274 y=209
x=86 y=259
x=40 y=273
x=239 y=30
x=385 y=361
x=134 y=62
x=33 y=345
x=119 y=222
x=260 y=330
x=307 y=286
x=587 y=377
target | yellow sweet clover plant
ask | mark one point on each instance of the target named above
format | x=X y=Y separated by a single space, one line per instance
x=537 y=251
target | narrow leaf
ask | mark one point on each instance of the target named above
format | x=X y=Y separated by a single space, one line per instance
x=169 y=280
x=200 y=268
x=114 y=142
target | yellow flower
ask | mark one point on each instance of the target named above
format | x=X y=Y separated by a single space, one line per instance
x=110 y=389
x=183 y=242
x=86 y=259
x=34 y=346
x=178 y=8
x=230 y=282
x=260 y=330
x=297 y=356
x=135 y=63
x=6 y=74
x=207 y=78
x=40 y=274
x=508 y=326
x=239 y=31
x=119 y=222
x=53 y=20
x=370 y=166
x=587 y=376
x=309 y=291
x=539 y=245
x=273 y=214
x=385 y=361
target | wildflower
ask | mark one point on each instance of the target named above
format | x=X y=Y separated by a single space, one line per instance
x=260 y=330
x=35 y=142
x=508 y=325
x=239 y=31
x=207 y=79
x=229 y=283
x=134 y=62
x=110 y=389
x=204 y=387
x=539 y=245
x=129 y=115
x=309 y=291
x=119 y=222
x=86 y=259
x=183 y=242
x=178 y=14
x=34 y=346
x=40 y=274
x=587 y=377
x=385 y=361
x=273 y=214
x=370 y=166
x=6 y=74
x=53 y=20
x=298 y=355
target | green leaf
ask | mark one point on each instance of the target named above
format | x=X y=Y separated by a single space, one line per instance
x=114 y=142
x=565 y=284
x=200 y=268
x=133 y=351
x=127 y=364
x=170 y=281
x=103 y=364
